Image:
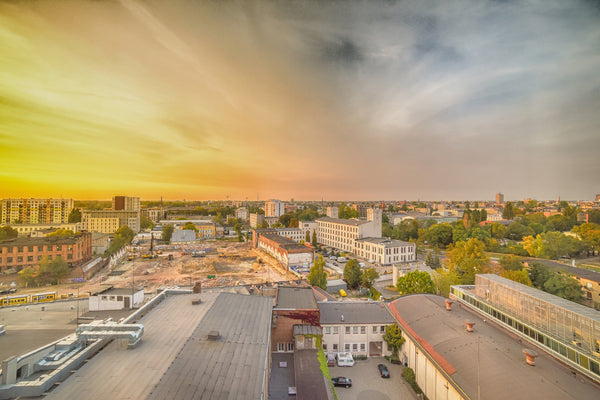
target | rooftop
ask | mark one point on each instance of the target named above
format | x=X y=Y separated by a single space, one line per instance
x=36 y=241
x=310 y=383
x=489 y=357
x=354 y=312
x=295 y=298
x=353 y=221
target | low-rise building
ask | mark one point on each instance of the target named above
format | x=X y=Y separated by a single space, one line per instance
x=242 y=214
x=341 y=233
x=108 y=221
x=100 y=242
x=30 y=229
x=20 y=253
x=308 y=226
x=291 y=233
x=286 y=251
x=354 y=326
x=153 y=214
x=206 y=229
x=256 y=220
x=183 y=236
x=294 y=306
x=116 y=299
x=385 y=251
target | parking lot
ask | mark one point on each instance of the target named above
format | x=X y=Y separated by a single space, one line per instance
x=368 y=385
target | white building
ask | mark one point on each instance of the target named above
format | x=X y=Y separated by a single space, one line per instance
x=356 y=327
x=116 y=299
x=274 y=208
x=341 y=233
x=385 y=251
x=308 y=226
x=332 y=212
x=256 y=220
x=242 y=214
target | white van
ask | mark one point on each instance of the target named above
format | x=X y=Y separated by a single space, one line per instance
x=342 y=259
x=345 y=359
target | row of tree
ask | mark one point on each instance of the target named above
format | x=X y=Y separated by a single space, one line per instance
x=48 y=272
x=354 y=275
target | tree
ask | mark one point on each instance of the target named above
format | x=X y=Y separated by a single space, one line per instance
x=293 y=223
x=314 y=239
x=167 y=232
x=317 y=275
x=53 y=271
x=74 y=216
x=511 y=262
x=415 y=282
x=520 y=276
x=508 y=212
x=369 y=275
x=238 y=231
x=467 y=259
x=393 y=338
x=563 y=286
x=444 y=279
x=27 y=277
x=590 y=234
x=6 y=232
x=516 y=231
x=429 y=259
x=307 y=239
x=439 y=235
x=146 y=223
x=352 y=274
x=190 y=227
x=539 y=274
x=61 y=232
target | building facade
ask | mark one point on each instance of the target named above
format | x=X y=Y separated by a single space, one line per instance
x=355 y=327
x=36 y=211
x=342 y=233
x=116 y=299
x=126 y=203
x=291 y=233
x=153 y=214
x=108 y=221
x=293 y=306
x=385 y=251
x=499 y=198
x=274 y=208
x=286 y=251
x=21 y=253
x=242 y=214
x=30 y=229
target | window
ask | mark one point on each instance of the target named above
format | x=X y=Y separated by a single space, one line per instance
x=9 y=259
x=335 y=347
x=69 y=256
x=355 y=330
x=347 y=330
x=20 y=259
x=29 y=258
x=363 y=347
x=112 y=298
x=58 y=247
x=363 y=330
x=327 y=330
x=347 y=347
x=280 y=347
x=382 y=328
x=39 y=258
x=119 y=298
x=335 y=330
x=290 y=347
x=374 y=329
x=324 y=346
x=355 y=347
x=104 y=297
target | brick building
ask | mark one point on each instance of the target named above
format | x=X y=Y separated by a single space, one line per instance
x=285 y=250
x=293 y=306
x=21 y=253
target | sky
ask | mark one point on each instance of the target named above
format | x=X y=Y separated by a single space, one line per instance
x=361 y=100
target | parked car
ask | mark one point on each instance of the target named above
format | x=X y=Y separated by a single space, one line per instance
x=345 y=359
x=331 y=359
x=342 y=381
x=332 y=257
x=383 y=371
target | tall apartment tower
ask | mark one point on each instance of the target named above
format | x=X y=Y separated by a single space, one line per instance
x=125 y=203
x=36 y=211
x=274 y=208
x=499 y=198
x=333 y=212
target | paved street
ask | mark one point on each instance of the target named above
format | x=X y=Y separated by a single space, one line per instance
x=368 y=385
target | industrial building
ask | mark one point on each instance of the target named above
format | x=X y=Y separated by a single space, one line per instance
x=286 y=251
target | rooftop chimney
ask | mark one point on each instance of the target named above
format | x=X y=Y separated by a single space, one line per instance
x=531 y=355
x=213 y=335
x=469 y=325
x=449 y=304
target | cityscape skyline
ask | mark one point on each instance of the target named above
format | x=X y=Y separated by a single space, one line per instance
x=397 y=100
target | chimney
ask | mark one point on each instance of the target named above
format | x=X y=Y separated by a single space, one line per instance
x=469 y=325
x=531 y=355
x=213 y=335
x=449 y=304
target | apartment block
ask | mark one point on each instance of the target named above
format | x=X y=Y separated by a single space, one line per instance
x=36 y=211
x=108 y=221
x=341 y=233
x=385 y=251
x=125 y=203
x=274 y=208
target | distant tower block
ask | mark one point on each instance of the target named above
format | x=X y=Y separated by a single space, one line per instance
x=499 y=198
x=597 y=197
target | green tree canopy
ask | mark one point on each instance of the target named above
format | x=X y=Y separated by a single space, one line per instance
x=167 y=232
x=511 y=262
x=61 y=232
x=369 y=275
x=317 y=275
x=74 y=216
x=439 y=235
x=53 y=271
x=6 y=232
x=521 y=276
x=190 y=226
x=393 y=338
x=467 y=259
x=508 y=212
x=563 y=286
x=415 y=282
x=314 y=239
x=146 y=223
x=352 y=274
x=444 y=279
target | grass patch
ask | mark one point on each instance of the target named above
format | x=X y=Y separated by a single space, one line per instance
x=325 y=370
x=589 y=266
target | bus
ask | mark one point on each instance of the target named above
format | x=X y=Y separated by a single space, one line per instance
x=43 y=297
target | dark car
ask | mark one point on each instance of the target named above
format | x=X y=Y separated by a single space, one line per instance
x=383 y=371
x=341 y=381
